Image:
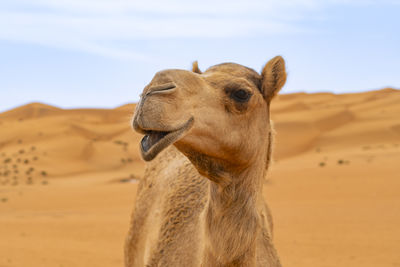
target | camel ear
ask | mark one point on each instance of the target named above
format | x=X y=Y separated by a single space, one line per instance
x=195 y=67
x=273 y=77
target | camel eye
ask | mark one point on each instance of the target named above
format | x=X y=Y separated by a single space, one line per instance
x=241 y=95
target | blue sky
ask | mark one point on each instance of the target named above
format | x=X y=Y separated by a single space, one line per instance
x=101 y=53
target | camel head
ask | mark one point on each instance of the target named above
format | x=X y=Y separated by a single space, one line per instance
x=219 y=119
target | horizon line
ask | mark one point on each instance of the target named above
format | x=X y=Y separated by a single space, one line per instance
x=386 y=88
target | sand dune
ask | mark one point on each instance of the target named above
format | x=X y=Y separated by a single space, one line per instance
x=68 y=180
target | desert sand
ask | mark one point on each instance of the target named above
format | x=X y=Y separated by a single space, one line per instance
x=68 y=180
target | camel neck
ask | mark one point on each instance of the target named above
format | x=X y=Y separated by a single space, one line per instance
x=232 y=219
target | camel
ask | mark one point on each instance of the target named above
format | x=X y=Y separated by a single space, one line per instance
x=207 y=140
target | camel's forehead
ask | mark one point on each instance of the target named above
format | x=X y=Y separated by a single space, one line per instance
x=236 y=70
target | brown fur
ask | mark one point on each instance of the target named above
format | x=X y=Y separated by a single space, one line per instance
x=200 y=202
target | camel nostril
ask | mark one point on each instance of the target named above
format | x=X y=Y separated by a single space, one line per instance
x=162 y=88
x=167 y=87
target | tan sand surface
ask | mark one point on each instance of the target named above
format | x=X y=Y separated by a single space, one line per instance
x=68 y=180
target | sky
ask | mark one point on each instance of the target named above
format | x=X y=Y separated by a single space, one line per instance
x=101 y=53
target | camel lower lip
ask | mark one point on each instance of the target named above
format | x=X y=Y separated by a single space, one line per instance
x=156 y=140
x=152 y=138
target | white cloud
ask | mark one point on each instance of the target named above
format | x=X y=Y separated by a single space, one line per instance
x=93 y=25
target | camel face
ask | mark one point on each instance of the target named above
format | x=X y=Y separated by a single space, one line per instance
x=221 y=114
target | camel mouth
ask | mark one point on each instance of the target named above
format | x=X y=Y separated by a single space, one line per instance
x=156 y=141
x=151 y=138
